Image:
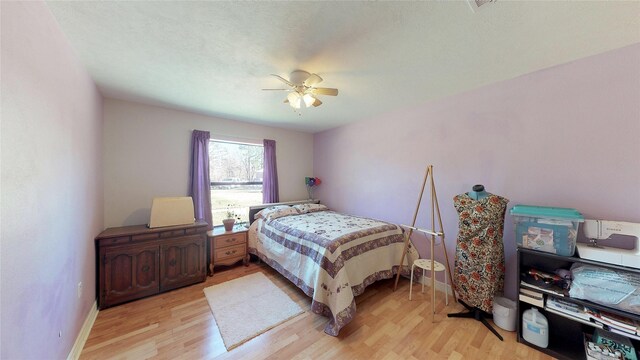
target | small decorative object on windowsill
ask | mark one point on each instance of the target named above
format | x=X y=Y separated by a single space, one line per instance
x=311 y=182
x=228 y=224
x=231 y=218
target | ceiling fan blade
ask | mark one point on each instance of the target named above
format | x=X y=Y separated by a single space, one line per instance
x=324 y=91
x=283 y=80
x=312 y=80
x=286 y=101
x=317 y=103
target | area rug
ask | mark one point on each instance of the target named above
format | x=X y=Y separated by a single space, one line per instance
x=247 y=307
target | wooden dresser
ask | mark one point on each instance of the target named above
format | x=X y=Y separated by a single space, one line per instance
x=227 y=248
x=135 y=261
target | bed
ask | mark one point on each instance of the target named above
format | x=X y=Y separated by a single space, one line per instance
x=332 y=257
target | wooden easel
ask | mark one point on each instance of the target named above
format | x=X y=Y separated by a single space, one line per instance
x=435 y=208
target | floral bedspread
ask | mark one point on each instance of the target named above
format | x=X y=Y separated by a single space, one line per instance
x=332 y=257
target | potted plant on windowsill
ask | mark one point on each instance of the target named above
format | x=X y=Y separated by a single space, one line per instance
x=231 y=218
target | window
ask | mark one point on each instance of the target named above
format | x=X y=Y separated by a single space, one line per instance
x=236 y=178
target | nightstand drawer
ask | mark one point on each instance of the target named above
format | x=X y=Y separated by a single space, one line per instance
x=229 y=252
x=226 y=248
x=229 y=240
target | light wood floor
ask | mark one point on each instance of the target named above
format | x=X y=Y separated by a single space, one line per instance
x=179 y=325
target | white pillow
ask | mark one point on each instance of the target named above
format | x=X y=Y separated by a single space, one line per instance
x=274 y=212
x=309 y=208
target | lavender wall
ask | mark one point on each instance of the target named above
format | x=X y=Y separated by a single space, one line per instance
x=143 y=142
x=51 y=186
x=567 y=136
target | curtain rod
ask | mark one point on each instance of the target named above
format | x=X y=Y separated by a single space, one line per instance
x=235 y=139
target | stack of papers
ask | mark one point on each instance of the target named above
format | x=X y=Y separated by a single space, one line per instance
x=620 y=325
x=568 y=308
x=532 y=297
x=600 y=319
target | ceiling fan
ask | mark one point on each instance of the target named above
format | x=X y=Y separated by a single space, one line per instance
x=303 y=90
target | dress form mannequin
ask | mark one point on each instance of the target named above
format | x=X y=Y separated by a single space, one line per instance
x=479 y=264
x=477 y=192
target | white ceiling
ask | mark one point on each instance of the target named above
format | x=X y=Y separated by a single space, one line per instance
x=215 y=57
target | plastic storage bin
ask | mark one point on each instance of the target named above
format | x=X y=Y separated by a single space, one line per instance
x=547 y=229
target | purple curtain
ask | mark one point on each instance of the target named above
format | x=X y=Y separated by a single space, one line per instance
x=199 y=184
x=270 y=174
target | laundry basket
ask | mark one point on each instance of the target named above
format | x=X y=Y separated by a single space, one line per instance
x=504 y=313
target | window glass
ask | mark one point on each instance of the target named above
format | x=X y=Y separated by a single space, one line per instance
x=236 y=178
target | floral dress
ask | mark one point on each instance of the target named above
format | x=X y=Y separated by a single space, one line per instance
x=479 y=265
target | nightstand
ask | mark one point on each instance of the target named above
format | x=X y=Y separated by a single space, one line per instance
x=226 y=247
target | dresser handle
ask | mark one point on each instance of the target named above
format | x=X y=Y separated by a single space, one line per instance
x=230 y=252
x=231 y=240
x=145 y=268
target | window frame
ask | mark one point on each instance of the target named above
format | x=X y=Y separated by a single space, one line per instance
x=236 y=142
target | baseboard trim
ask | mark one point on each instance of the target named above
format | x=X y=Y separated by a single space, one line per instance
x=440 y=286
x=84 y=332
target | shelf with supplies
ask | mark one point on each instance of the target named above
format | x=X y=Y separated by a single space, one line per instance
x=570 y=320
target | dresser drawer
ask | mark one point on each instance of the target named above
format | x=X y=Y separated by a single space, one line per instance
x=115 y=240
x=230 y=240
x=230 y=252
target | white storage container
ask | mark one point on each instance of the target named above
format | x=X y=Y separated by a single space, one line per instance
x=535 y=328
x=504 y=313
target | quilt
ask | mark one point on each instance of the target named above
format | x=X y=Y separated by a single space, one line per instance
x=331 y=256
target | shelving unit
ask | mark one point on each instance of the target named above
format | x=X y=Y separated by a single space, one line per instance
x=565 y=334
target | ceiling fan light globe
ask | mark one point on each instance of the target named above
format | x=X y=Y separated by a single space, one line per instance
x=308 y=100
x=294 y=100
